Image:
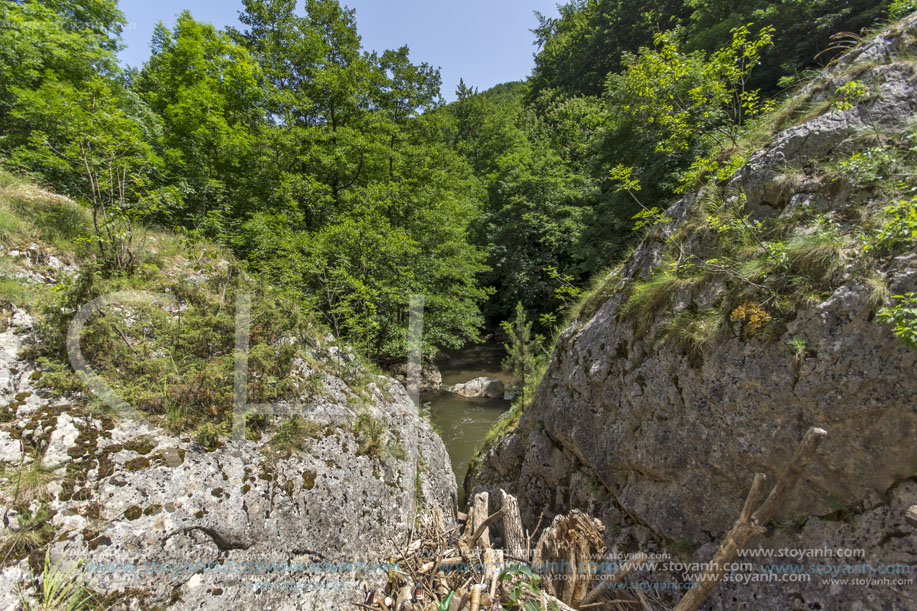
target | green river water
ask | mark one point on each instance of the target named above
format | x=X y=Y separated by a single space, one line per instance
x=464 y=422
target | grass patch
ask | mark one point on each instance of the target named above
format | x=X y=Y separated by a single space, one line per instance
x=18 y=292
x=27 y=483
x=370 y=432
x=293 y=435
x=210 y=436
x=695 y=331
x=62 y=589
x=650 y=298
x=173 y=358
x=879 y=293
x=32 y=531
x=817 y=256
x=28 y=213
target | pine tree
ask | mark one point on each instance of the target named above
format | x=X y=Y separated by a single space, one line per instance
x=521 y=350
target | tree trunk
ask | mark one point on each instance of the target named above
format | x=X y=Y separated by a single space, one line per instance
x=513 y=534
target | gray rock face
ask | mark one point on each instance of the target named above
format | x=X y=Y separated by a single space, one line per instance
x=62 y=439
x=431 y=379
x=880 y=533
x=480 y=388
x=665 y=447
x=159 y=521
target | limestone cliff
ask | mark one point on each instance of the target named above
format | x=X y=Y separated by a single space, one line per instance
x=664 y=396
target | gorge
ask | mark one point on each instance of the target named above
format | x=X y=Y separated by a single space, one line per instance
x=685 y=243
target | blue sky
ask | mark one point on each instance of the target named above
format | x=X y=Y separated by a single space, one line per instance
x=486 y=42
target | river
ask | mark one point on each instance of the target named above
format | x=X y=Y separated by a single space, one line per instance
x=462 y=422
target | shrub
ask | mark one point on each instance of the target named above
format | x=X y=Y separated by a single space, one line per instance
x=209 y=436
x=901 y=229
x=902 y=8
x=903 y=318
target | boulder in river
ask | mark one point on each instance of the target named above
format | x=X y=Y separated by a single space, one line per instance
x=431 y=380
x=480 y=388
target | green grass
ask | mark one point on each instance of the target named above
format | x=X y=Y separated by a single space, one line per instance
x=18 y=292
x=879 y=293
x=601 y=288
x=210 y=436
x=650 y=298
x=293 y=435
x=27 y=483
x=178 y=369
x=370 y=432
x=695 y=331
x=62 y=589
x=817 y=256
x=28 y=213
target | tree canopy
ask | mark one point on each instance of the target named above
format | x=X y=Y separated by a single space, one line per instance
x=339 y=172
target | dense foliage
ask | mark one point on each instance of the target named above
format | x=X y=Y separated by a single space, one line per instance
x=340 y=175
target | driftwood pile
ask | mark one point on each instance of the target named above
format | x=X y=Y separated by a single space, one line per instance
x=459 y=569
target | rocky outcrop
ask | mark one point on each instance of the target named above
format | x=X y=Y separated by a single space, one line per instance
x=159 y=520
x=431 y=380
x=664 y=444
x=480 y=388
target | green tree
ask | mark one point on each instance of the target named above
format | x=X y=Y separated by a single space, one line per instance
x=685 y=95
x=534 y=164
x=522 y=351
x=205 y=89
x=802 y=30
x=101 y=133
x=365 y=204
x=587 y=40
x=59 y=42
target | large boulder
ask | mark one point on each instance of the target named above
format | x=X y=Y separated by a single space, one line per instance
x=480 y=388
x=431 y=380
x=158 y=520
x=664 y=443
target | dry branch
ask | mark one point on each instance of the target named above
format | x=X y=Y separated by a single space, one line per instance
x=625 y=569
x=482 y=531
x=479 y=514
x=750 y=525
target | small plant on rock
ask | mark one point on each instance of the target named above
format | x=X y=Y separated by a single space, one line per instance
x=62 y=589
x=293 y=433
x=903 y=318
x=370 y=432
x=752 y=316
x=32 y=531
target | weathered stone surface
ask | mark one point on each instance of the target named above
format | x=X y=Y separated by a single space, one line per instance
x=480 y=388
x=159 y=521
x=431 y=379
x=879 y=533
x=62 y=439
x=911 y=515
